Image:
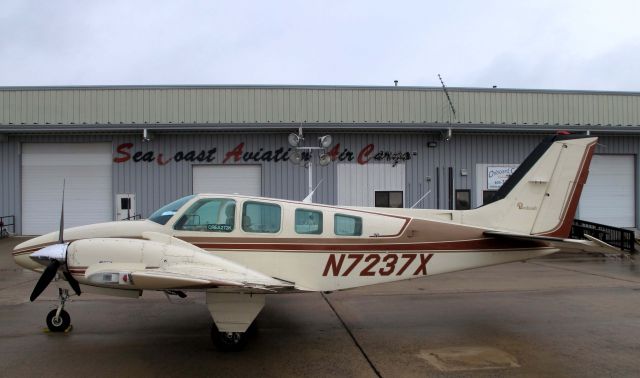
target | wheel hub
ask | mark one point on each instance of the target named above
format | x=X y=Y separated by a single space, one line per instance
x=232 y=337
x=57 y=321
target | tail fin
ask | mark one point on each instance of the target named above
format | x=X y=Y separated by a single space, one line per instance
x=542 y=195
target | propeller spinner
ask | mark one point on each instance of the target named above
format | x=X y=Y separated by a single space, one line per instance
x=54 y=256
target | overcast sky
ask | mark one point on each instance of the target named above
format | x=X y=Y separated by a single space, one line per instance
x=511 y=44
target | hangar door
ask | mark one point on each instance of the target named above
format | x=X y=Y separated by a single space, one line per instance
x=86 y=167
x=609 y=194
x=228 y=179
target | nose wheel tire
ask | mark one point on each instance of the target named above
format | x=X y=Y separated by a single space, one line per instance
x=228 y=341
x=58 y=323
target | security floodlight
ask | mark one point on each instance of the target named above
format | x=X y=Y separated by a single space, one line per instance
x=296 y=156
x=294 y=139
x=325 y=141
x=325 y=159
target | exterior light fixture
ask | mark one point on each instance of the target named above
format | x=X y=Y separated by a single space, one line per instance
x=325 y=141
x=296 y=156
x=294 y=139
x=146 y=136
x=325 y=159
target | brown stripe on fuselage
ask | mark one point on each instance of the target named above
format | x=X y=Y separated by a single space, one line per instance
x=462 y=245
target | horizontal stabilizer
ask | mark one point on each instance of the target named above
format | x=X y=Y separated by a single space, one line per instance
x=565 y=245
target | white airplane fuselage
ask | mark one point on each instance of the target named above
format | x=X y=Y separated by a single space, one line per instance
x=391 y=248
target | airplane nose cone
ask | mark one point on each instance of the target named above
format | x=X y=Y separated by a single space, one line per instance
x=50 y=253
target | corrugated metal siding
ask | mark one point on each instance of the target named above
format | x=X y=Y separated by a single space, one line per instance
x=294 y=105
x=155 y=185
x=10 y=198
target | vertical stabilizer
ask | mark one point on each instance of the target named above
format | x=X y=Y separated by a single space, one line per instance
x=542 y=195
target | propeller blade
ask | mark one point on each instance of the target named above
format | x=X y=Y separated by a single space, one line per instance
x=46 y=278
x=60 y=234
x=75 y=285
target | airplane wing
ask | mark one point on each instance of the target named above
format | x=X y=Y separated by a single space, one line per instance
x=191 y=275
x=183 y=276
x=565 y=245
x=191 y=268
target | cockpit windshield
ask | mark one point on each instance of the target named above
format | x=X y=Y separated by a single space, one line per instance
x=163 y=214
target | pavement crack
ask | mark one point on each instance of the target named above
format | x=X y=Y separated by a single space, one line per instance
x=355 y=341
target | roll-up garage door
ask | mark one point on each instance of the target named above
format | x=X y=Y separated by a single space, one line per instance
x=228 y=179
x=609 y=194
x=86 y=167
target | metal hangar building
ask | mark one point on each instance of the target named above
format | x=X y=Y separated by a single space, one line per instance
x=126 y=151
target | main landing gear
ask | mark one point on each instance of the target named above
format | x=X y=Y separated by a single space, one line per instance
x=58 y=320
x=229 y=341
x=233 y=316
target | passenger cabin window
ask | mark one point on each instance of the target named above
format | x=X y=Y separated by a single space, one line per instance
x=209 y=215
x=346 y=225
x=261 y=217
x=308 y=222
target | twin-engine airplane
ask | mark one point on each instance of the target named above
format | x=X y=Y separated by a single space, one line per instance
x=238 y=249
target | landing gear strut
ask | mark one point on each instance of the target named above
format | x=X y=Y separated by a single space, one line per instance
x=233 y=316
x=58 y=320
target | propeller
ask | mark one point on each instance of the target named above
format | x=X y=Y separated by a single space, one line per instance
x=45 y=279
x=56 y=256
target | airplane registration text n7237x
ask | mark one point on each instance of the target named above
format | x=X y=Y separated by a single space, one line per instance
x=367 y=265
x=239 y=249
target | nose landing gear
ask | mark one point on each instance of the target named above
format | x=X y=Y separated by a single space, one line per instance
x=58 y=320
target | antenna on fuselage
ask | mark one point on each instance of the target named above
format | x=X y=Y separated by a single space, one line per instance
x=309 y=197
x=420 y=200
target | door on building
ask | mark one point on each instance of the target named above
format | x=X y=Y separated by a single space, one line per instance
x=126 y=207
x=86 y=168
x=608 y=197
x=228 y=179
x=371 y=184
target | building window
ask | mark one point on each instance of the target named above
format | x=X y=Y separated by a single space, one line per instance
x=389 y=199
x=261 y=217
x=345 y=225
x=487 y=196
x=308 y=222
x=463 y=199
x=209 y=215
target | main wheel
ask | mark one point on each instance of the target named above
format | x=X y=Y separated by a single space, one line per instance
x=228 y=341
x=60 y=323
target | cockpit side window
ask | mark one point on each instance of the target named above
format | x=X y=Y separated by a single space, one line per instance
x=209 y=215
x=163 y=214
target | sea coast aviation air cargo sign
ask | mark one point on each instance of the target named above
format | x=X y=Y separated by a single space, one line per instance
x=127 y=152
x=496 y=176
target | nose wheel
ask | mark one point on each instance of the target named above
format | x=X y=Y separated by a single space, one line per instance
x=58 y=320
